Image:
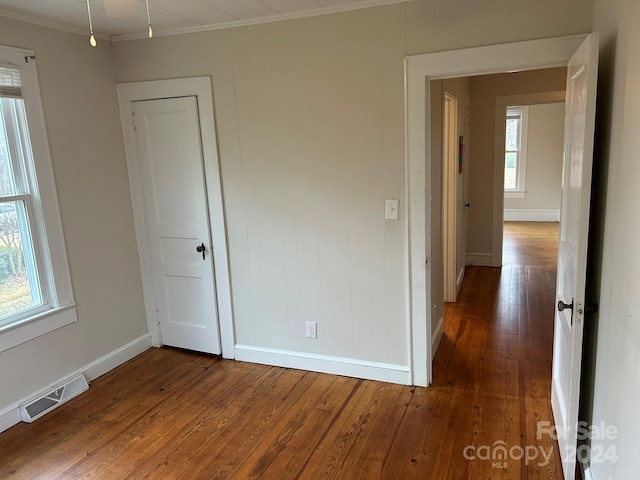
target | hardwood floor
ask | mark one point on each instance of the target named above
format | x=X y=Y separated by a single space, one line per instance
x=530 y=243
x=175 y=414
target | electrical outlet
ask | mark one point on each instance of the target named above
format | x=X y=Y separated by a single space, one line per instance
x=312 y=330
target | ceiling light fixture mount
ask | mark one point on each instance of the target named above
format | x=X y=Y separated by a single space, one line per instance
x=92 y=38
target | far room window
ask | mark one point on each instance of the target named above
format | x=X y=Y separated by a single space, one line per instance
x=515 y=149
x=35 y=287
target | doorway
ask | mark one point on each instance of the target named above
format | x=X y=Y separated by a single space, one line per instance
x=420 y=70
x=529 y=142
x=580 y=54
x=533 y=151
x=194 y=97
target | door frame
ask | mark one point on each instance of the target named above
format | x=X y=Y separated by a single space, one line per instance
x=419 y=71
x=199 y=87
x=449 y=195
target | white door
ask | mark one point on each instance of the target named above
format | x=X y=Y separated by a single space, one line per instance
x=175 y=201
x=572 y=253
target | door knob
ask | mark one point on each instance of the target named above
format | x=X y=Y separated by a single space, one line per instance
x=201 y=249
x=467 y=205
x=562 y=305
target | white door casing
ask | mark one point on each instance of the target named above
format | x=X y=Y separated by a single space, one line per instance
x=200 y=88
x=464 y=195
x=450 y=195
x=419 y=71
x=572 y=252
x=169 y=151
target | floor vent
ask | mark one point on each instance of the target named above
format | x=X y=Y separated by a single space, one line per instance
x=43 y=404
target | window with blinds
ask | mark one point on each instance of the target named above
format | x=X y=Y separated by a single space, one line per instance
x=34 y=283
x=20 y=287
x=10 y=86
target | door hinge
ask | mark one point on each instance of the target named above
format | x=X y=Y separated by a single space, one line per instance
x=158 y=316
x=133 y=120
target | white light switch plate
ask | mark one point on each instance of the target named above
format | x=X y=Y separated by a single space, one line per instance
x=391 y=210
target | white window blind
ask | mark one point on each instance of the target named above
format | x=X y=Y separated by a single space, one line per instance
x=10 y=85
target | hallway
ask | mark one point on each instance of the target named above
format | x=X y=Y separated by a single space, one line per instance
x=497 y=351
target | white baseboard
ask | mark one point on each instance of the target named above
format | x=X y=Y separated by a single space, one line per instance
x=436 y=336
x=480 y=259
x=116 y=358
x=512 y=215
x=10 y=418
x=348 y=367
x=459 y=280
x=10 y=415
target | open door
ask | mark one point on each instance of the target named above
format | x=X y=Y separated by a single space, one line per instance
x=572 y=252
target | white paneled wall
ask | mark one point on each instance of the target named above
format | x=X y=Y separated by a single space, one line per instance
x=310 y=117
x=307 y=232
x=612 y=379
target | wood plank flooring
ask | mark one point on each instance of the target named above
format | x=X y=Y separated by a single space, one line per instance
x=530 y=243
x=173 y=414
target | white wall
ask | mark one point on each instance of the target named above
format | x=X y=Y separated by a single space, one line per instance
x=309 y=140
x=545 y=139
x=83 y=127
x=612 y=376
x=311 y=131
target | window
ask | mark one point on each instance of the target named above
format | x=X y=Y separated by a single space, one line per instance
x=35 y=287
x=515 y=150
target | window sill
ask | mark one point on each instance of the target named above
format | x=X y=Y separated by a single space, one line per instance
x=515 y=194
x=37 y=325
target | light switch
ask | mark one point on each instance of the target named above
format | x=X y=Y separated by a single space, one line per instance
x=391 y=210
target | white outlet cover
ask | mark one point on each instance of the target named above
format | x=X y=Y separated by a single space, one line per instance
x=312 y=330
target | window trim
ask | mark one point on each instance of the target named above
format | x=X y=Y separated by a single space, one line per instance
x=521 y=164
x=49 y=241
x=514 y=194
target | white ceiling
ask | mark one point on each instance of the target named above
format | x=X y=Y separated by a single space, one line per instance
x=169 y=16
